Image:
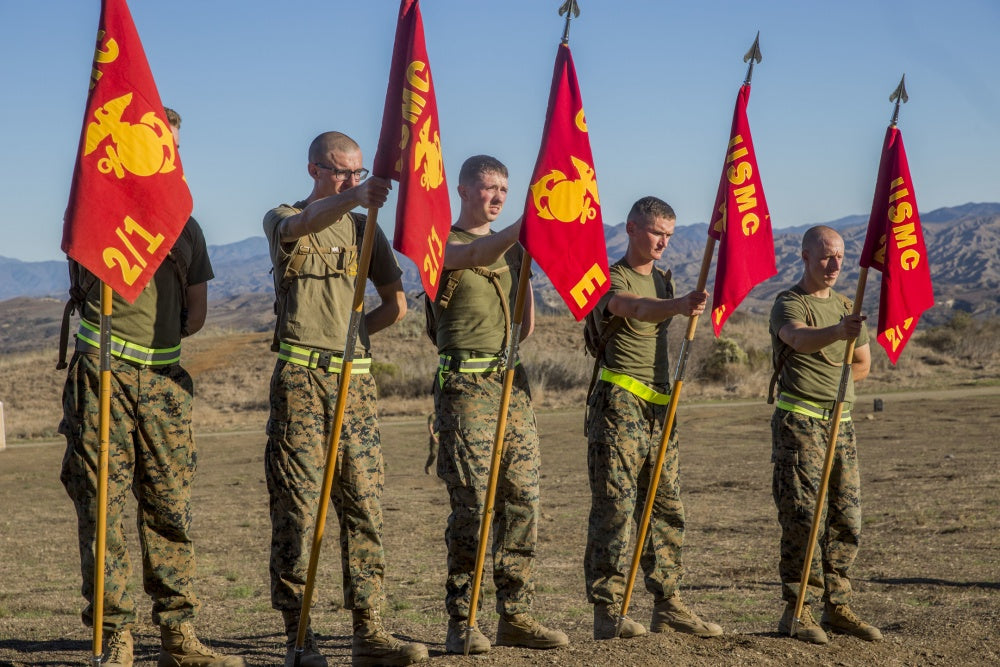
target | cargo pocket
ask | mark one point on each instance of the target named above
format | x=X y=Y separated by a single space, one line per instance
x=452 y=460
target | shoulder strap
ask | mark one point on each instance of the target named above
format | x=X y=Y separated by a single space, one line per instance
x=81 y=281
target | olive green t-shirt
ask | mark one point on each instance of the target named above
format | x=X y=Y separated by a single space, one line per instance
x=474 y=319
x=154 y=320
x=638 y=349
x=317 y=305
x=815 y=376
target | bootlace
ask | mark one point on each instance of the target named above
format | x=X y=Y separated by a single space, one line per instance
x=117 y=648
x=847 y=614
x=193 y=645
x=807 y=620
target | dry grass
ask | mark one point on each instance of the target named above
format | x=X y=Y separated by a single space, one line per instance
x=232 y=369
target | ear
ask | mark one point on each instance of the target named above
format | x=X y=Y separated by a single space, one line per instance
x=630 y=227
x=313 y=170
x=463 y=192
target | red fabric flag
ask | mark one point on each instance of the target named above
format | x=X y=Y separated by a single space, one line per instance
x=895 y=246
x=562 y=226
x=129 y=200
x=740 y=221
x=409 y=151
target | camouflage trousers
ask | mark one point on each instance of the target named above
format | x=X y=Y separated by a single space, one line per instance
x=623 y=434
x=151 y=453
x=467 y=406
x=303 y=402
x=798 y=453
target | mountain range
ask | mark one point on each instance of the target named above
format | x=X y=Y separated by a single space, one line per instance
x=963 y=245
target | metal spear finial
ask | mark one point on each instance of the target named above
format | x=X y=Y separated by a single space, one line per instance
x=753 y=55
x=898 y=96
x=572 y=10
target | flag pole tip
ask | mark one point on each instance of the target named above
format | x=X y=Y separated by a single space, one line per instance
x=754 y=51
x=900 y=92
x=571 y=8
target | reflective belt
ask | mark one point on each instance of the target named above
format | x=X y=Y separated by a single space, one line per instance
x=631 y=385
x=449 y=364
x=326 y=360
x=798 y=405
x=89 y=337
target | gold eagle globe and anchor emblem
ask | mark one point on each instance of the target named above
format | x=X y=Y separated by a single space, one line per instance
x=557 y=197
x=141 y=149
x=427 y=153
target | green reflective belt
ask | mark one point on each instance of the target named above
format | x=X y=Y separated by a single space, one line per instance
x=798 y=405
x=471 y=365
x=332 y=362
x=631 y=385
x=450 y=364
x=89 y=337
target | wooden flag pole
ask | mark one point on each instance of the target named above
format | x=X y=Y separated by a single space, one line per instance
x=491 y=486
x=675 y=394
x=333 y=439
x=831 y=448
x=104 y=433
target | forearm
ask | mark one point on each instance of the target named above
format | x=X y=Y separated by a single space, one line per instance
x=383 y=316
x=197 y=308
x=483 y=251
x=317 y=216
x=806 y=340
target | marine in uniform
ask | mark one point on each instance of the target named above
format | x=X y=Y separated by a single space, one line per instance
x=315 y=247
x=626 y=410
x=810 y=326
x=472 y=315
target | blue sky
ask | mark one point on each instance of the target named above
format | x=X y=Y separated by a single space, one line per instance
x=256 y=81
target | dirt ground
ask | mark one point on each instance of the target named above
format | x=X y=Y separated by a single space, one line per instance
x=928 y=572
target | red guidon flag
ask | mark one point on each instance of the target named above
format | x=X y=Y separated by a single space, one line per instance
x=409 y=151
x=895 y=246
x=740 y=222
x=129 y=200
x=562 y=228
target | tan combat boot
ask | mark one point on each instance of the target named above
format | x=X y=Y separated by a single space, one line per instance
x=671 y=613
x=458 y=628
x=608 y=623
x=179 y=647
x=118 y=649
x=807 y=630
x=311 y=656
x=372 y=645
x=523 y=630
x=841 y=618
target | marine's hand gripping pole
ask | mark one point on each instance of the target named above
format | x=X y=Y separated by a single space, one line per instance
x=333 y=440
x=498 y=438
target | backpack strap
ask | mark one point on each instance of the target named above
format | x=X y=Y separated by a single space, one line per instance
x=81 y=281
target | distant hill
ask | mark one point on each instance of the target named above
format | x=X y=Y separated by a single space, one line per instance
x=963 y=243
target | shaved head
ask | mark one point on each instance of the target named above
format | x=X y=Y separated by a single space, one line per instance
x=817 y=236
x=328 y=142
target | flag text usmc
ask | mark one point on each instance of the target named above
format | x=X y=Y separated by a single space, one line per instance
x=739 y=172
x=903 y=232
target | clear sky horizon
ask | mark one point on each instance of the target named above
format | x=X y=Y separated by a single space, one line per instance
x=256 y=81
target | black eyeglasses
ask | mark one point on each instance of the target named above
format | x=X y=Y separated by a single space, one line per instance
x=344 y=174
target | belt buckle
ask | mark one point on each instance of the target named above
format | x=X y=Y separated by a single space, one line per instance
x=323 y=360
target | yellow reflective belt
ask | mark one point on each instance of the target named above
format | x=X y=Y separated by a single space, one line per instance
x=799 y=405
x=448 y=364
x=90 y=336
x=631 y=385
x=321 y=359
